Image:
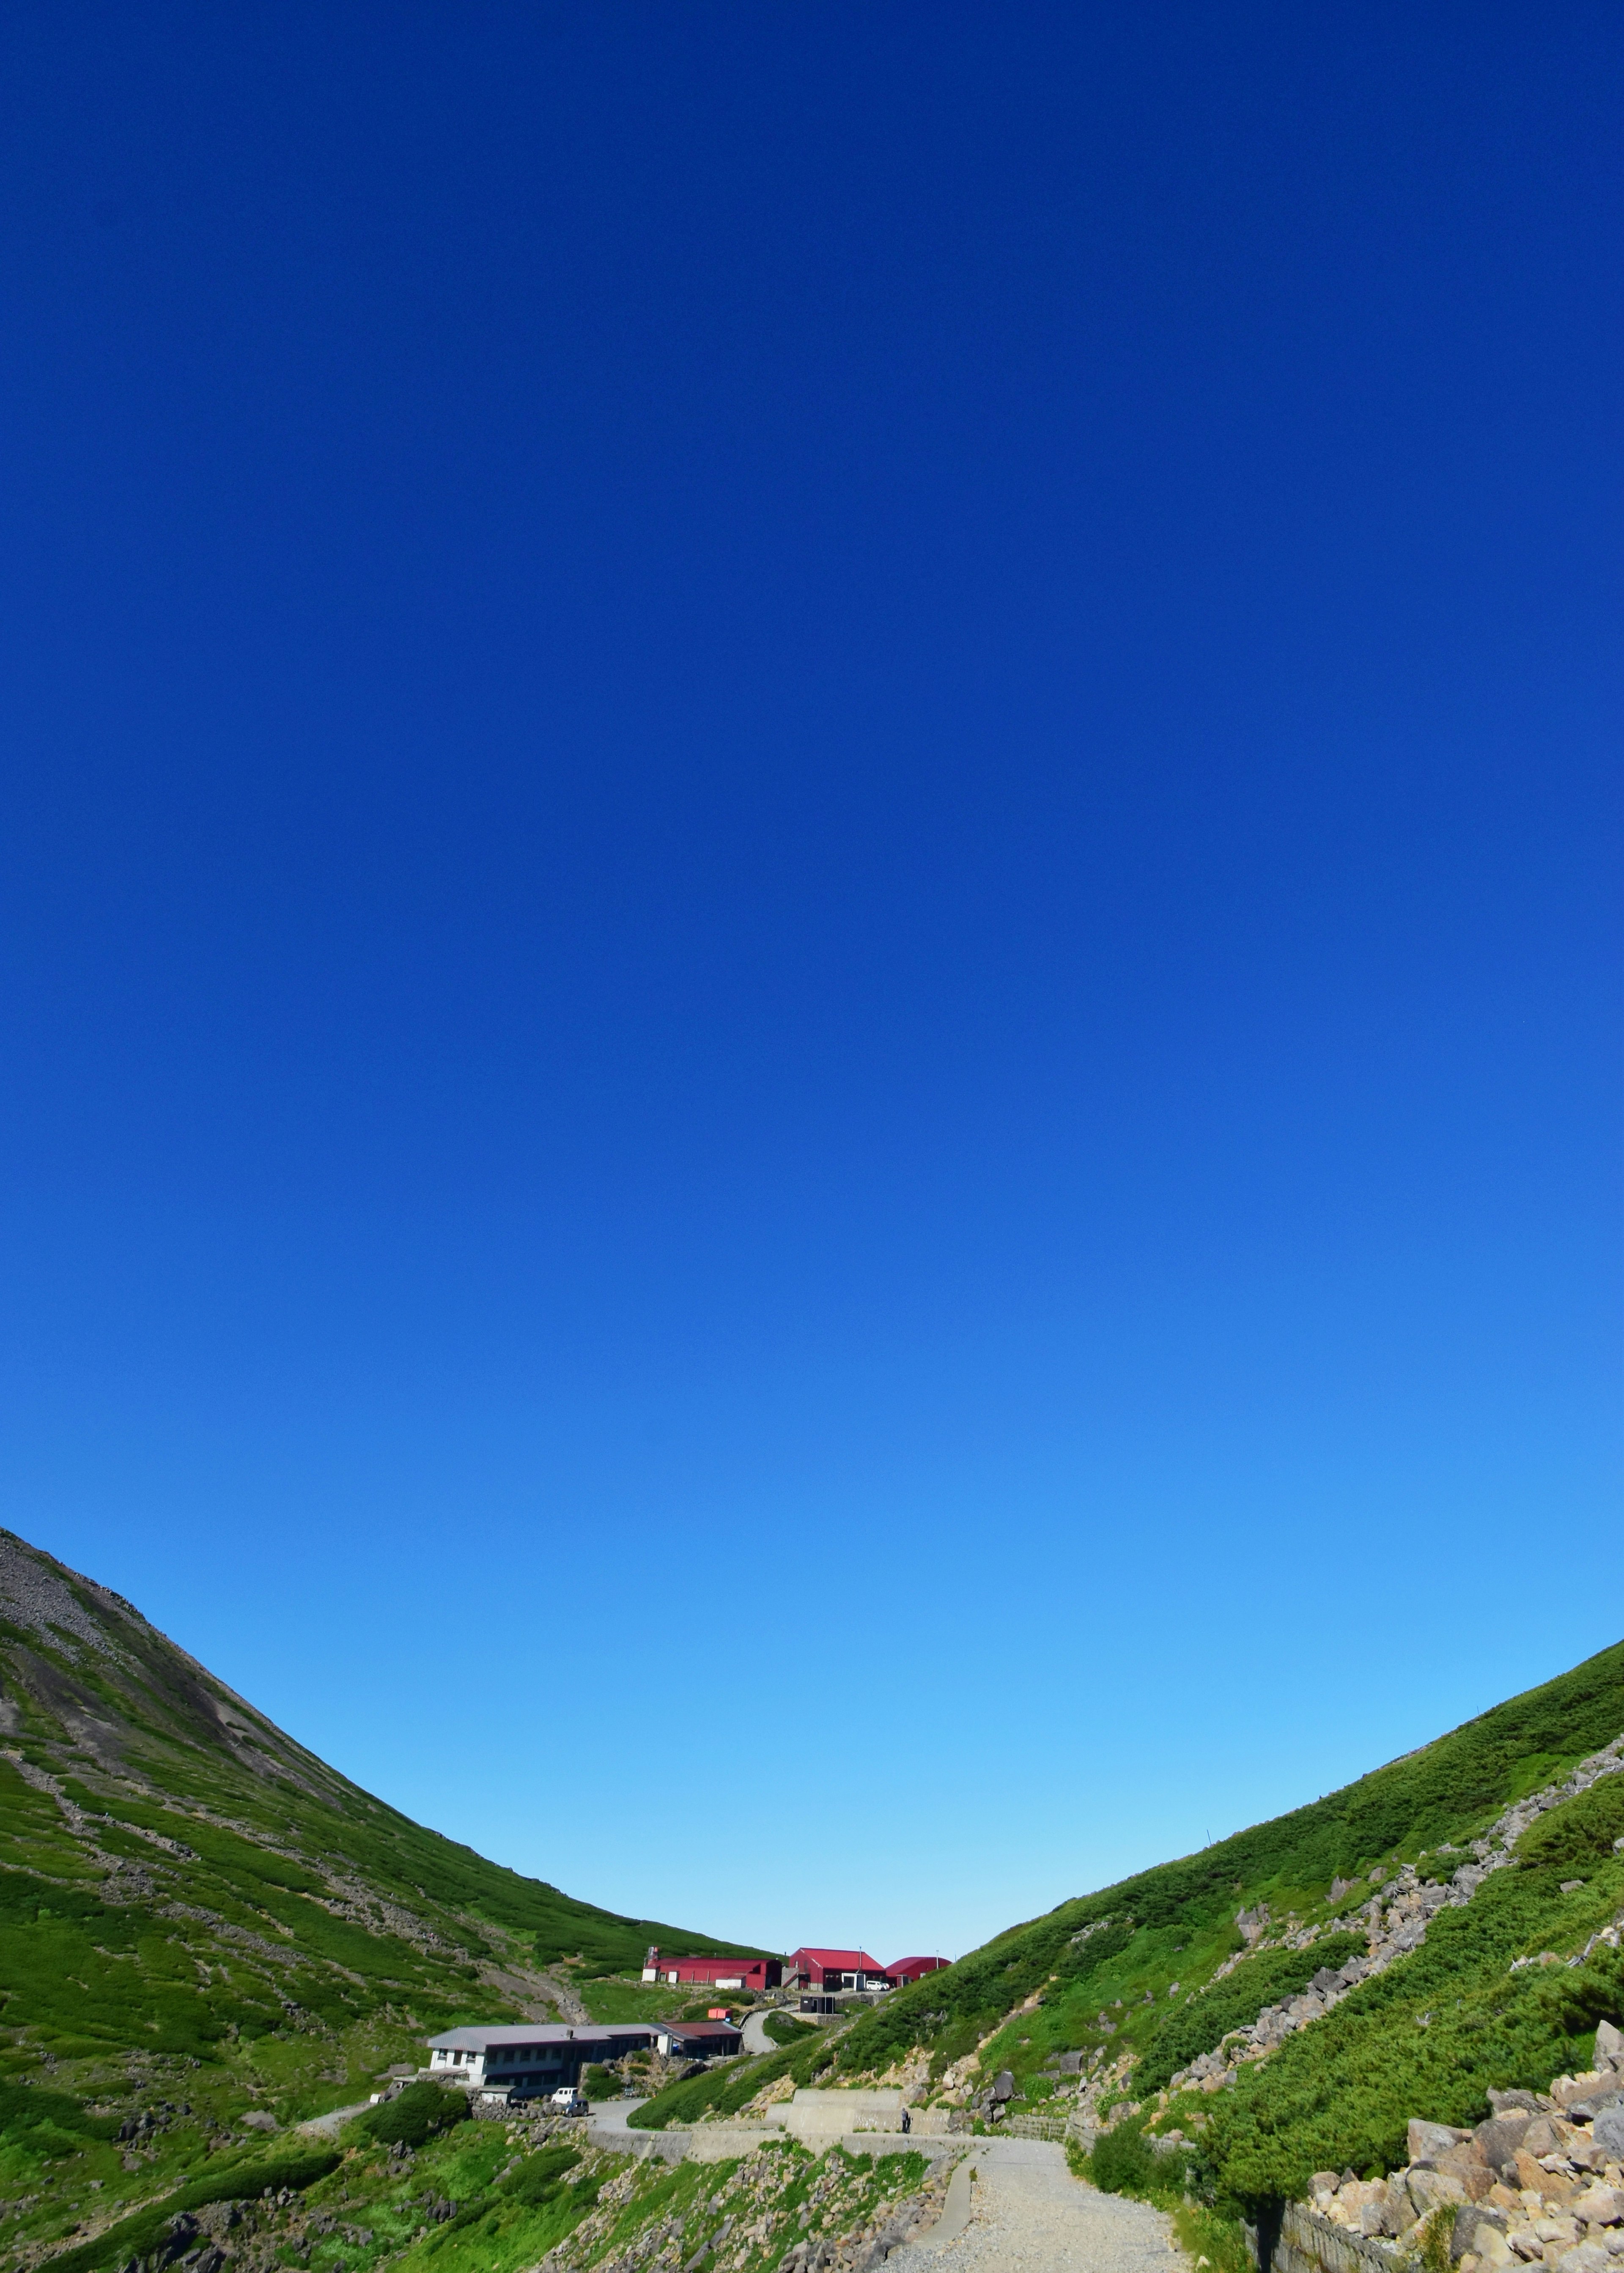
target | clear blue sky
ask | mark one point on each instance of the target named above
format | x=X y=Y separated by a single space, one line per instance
x=810 y=922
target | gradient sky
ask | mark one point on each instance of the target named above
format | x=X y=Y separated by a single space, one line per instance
x=810 y=939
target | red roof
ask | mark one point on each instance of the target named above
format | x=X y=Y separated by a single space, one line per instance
x=839 y=1960
x=917 y=1965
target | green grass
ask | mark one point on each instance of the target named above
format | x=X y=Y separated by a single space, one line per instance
x=785 y=2028
x=1176 y=1922
x=617 y=1999
x=1433 y=2034
x=226 y=1922
x=724 y=2091
x=1201 y=2024
x=139 y=2235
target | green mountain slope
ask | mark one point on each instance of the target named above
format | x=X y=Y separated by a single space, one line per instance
x=195 y=1908
x=1145 y=1977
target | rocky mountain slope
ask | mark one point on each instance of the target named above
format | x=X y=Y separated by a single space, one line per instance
x=205 y=1931
x=1285 y=2003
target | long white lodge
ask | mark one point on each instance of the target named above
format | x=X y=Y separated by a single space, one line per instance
x=539 y=2056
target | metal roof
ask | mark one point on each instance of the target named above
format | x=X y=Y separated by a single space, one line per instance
x=843 y=1961
x=534 y=2032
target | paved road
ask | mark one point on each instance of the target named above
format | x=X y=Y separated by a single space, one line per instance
x=755 y=2037
x=613 y=2114
x=1027 y=2214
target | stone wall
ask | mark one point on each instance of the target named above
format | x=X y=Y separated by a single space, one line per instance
x=1304 y=2242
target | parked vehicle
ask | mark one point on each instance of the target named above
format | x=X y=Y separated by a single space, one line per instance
x=567 y=2101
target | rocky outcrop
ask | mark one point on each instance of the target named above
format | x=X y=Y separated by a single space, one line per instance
x=1394 y=1921
x=1541 y=2180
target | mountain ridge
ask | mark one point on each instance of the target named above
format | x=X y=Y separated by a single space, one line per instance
x=182 y=1880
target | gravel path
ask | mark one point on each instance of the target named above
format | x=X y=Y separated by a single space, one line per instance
x=1028 y=2212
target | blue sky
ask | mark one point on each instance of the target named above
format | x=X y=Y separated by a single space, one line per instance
x=809 y=945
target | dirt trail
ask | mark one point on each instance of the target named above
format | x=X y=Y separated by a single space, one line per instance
x=1029 y=2214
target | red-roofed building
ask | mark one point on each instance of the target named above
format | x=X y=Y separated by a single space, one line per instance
x=827 y=1971
x=915 y=1968
x=754 y=1973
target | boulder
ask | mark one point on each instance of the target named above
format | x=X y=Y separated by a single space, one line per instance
x=1470 y=2224
x=1533 y=2179
x=1585 y=2257
x=1540 y=2138
x=258 y=2119
x=1510 y=2103
x=1401 y=2211
x=1599 y=2206
x=1376 y=2212
x=1466 y=2163
x=1002 y=2086
x=1428 y=2141
x=1499 y=2139
x=1430 y=2190
x=1608 y=2130
x=1609 y=2043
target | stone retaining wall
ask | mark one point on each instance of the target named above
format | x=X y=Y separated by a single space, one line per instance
x=1304 y=2242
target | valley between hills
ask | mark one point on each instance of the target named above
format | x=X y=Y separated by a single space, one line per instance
x=1322 y=2027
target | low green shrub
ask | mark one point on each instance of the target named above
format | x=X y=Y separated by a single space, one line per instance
x=1235 y=2002
x=49 y=2122
x=785 y=2028
x=1430 y=2036
x=1124 y=2162
x=420 y=2113
x=139 y=2234
x=539 y=2177
x=724 y=2091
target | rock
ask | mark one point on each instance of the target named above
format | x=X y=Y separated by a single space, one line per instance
x=1609 y=2043
x=1535 y=2181
x=1469 y=2224
x=1492 y=2248
x=1585 y=2257
x=1499 y=2139
x=1326 y=1978
x=1375 y=2213
x=1599 y=2206
x=1429 y=2190
x=1466 y=2163
x=1510 y=2103
x=258 y=2119
x=1540 y=2138
x=1003 y=2085
x=1608 y=2131
x=1427 y=2140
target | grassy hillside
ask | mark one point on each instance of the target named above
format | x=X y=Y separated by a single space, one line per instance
x=1123 y=1971
x=198 y=1917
